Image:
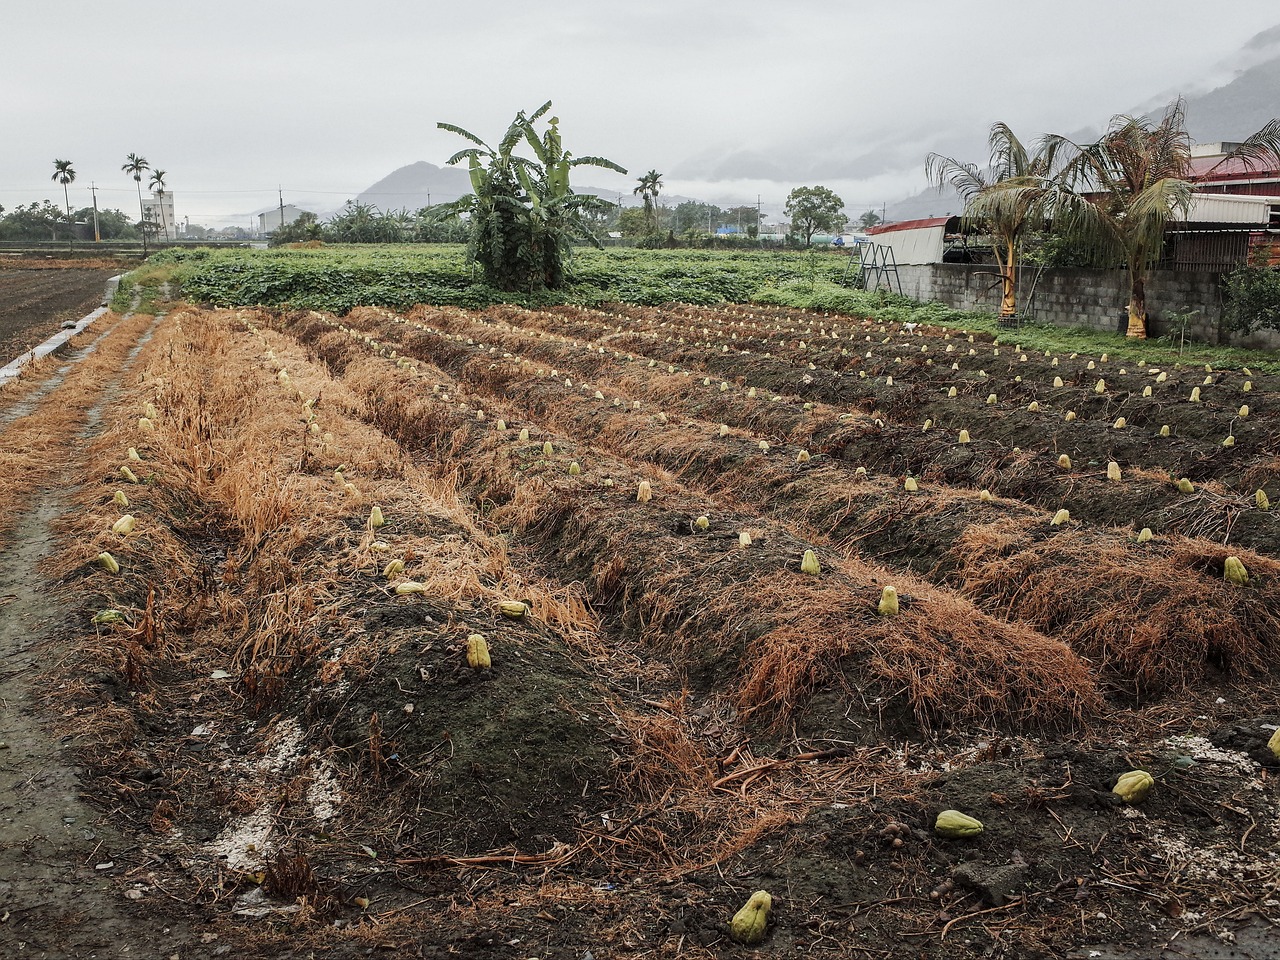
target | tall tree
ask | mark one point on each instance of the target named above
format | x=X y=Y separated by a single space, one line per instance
x=136 y=166
x=814 y=208
x=524 y=214
x=694 y=215
x=647 y=189
x=1123 y=189
x=1006 y=200
x=157 y=185
x=65 y=175
x=869 y=219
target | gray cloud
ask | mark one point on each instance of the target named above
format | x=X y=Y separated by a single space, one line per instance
x=733 y=97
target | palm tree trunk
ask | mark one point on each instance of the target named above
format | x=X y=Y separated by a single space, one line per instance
x=1009 y=281
x=71 y=229
x=1137 y=302
x=142 y=218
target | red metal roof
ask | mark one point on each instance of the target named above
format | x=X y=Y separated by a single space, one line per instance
x=909 y=225
x=1231 y=170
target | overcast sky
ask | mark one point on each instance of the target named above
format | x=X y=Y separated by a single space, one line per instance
x=727 y=98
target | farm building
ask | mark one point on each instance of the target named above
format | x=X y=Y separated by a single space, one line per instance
x=1212 y=175
x=916 y=241
x=271 y=219
x=1223 y=231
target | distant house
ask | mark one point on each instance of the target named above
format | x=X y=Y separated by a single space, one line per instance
x=271 y=219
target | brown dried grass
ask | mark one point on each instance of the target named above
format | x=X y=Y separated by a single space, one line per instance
x=1155 y=617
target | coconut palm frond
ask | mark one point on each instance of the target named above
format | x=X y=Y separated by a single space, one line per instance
x=1008 y=156
x=1166 y=199
x=1259 y=148
x=965 y=178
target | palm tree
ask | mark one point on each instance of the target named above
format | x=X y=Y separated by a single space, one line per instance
x=157 y=184
x=1008 y=199
x=135 y=167
x=64 y=175
x=1127 y=186
x=869 y=219
x=649 y=186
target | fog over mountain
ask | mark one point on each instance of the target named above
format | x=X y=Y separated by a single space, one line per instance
x=1235 y=99
x=242 y=102
x=881 y=166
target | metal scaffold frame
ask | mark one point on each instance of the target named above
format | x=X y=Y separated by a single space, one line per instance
x=876 y=265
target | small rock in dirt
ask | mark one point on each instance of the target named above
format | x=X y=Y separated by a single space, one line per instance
x=134 y=894
x=995 y=884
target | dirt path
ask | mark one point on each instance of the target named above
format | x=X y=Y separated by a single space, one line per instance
x=62 y=893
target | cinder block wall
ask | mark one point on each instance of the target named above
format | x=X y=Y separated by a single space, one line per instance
x=1075 y=297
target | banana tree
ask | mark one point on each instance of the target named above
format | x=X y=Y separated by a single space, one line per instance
x=524 y=214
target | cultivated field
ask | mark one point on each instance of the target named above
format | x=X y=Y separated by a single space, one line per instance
x=36 y=296
x=280 y=701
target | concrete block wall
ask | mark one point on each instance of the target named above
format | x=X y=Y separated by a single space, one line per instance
x=1075 y=297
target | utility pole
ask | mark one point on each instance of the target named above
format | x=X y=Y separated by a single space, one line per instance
x=281 y=189
x=93 y=188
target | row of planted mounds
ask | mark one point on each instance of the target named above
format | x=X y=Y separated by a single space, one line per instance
x=631 y=706
x=1157 y=616
x=674 y=567
x=1063 y=464
x=262 y=683
x=49 y=406
x=243 y=699
x=905 y=386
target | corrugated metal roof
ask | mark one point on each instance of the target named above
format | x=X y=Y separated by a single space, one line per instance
x=911 y=225
x=1231 y=208
x=1207 y=170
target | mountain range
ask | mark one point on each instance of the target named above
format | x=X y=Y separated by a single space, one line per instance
x=422 y=184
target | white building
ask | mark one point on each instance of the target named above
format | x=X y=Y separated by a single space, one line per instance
x=269 y=221
x=157 y=210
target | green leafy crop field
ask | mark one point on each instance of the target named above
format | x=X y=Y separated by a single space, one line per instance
x=339 y=278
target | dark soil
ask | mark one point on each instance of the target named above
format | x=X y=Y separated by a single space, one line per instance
x=34 y=302
x=613 y=799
